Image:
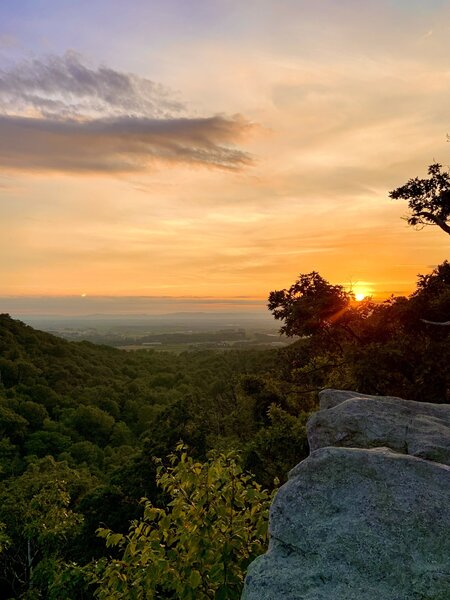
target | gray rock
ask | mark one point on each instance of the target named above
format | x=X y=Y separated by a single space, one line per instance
x=357 y=524
x=331 y=398
x=417 y=428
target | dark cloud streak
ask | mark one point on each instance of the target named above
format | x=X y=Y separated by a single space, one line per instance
x=119 y=145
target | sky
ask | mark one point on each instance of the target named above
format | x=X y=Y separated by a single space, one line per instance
x=210 y=151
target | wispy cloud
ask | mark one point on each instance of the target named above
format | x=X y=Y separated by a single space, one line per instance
x=59 y=114
x=60 y=86
x=119 y=145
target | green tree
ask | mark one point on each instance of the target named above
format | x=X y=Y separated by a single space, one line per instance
x=310 y=304
x=392 y=348
x=428 y=199
x=277 y=447
x=12 y=425
x=93 y=424
x=38 y=517
x=198 y=547
x=325 y=313
x=45 y=443
x=34 y=413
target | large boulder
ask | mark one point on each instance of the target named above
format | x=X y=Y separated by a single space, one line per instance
x=353 y=421
x=362 y=523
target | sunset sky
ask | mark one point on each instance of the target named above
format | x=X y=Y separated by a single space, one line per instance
x=214 y=149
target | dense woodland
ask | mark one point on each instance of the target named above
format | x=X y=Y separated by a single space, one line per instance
x=82 y=427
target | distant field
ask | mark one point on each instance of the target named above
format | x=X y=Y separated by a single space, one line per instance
x=178 y=348
x=174 y=333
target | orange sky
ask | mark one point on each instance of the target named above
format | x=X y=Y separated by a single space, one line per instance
x=221 y=151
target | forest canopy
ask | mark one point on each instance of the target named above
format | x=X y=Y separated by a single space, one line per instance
x=86 y=431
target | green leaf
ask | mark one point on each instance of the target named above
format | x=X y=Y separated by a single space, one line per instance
x=195 y=579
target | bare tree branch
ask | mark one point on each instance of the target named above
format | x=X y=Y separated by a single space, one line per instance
x=444 y=323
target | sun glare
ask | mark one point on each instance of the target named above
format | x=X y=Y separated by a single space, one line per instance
x=361 y=291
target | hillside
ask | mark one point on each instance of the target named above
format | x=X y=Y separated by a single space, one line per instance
x=94 y=417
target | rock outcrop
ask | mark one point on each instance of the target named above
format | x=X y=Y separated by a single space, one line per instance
x=366 y=516
x=416 y=428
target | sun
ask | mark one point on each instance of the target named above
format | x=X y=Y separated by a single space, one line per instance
x=361 y=291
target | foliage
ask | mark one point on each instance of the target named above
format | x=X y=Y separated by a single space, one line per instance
x=81 y=425
x=276 y=448
x=428 y=199
x=104 y=414
x=199 y=546
x=386 y=349
x=54 y=579
x=4 y=539
x=38 y=518
x=308 y=305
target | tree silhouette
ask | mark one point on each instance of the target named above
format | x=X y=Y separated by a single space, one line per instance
x=428 y=199
x=309 y=305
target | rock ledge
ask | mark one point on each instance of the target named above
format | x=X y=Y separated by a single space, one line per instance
x=365 y=516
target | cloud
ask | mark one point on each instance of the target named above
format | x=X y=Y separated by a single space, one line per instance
x=65 y=86
x=119 y=145
x=58 y=114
